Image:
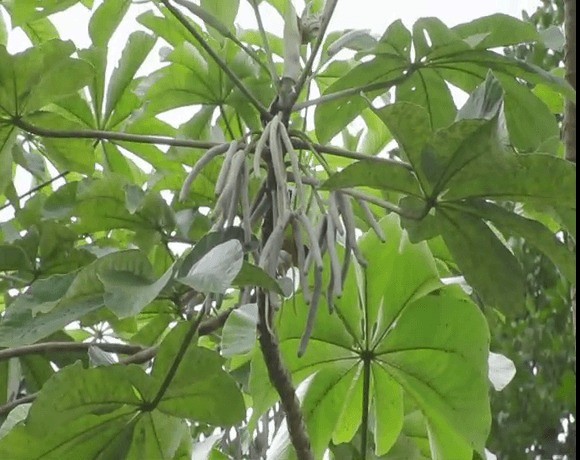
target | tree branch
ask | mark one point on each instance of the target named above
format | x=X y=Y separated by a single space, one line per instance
x=6 y=408
x=111 y=136
x=47 y=347
x=277 y=372
x=218 y=60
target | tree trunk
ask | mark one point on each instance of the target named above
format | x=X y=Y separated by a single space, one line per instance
x=569 y=128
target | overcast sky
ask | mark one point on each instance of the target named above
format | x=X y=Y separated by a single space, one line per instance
x=360 y=14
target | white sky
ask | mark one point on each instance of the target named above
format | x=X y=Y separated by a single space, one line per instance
x=354 y=14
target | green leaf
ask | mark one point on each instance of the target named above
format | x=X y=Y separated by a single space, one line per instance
x=128 y=292
x=331 y=117
x=516 y=178
x=533 y=232
x=137 y=48
x=217 y=269
x=378 y=175
x=105 y=20
x=239 y=331
x=65 y=77
x=13 y=258
x=252 y=275
x=8 y=135
x=530 y=122
x=429 y=90
x=388 y=406
x=74 y=154
x=495 y=31
x=485 y=102
x=409 y=124
x=421 y=339
x=40 y=30
x=24 y=11
x=201 y=390
x=224 y=10
x=486 y=263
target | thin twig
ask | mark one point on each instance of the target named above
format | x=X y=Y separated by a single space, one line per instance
x=272 y=68
x=353 y=91
x=37 y=188
x=340 y=152
x=218 y=60
x=328 y=11
x=6 y=408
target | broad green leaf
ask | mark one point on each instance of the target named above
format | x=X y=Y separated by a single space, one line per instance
x=97 y=390
x=54 y=302
x=65 y=77
x=457 y=147
x=374 y=174
x=388 y=406
x=40 y=30
x=83 y=437
x=73 y=154
x=127 y=292
x=23 y=11
x=200 y=390
x=239 y=331
x=216 y=270
x=530 y=122
x=534 y=178
x=376 y=136
x=252 y=275
x=495 y=31
x=223 y=10
x=8 y=135
x=137 y=48
x=109 y=193
x=488 y=266
x=409 y=124
x=429 y=90
x=419 y=336
x=331 y=117
x=105 y=20
x=532 y=231
x=485 y=102
x=3 y=32
x=206 y=244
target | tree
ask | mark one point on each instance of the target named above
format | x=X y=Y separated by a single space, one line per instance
x=334 y=299
x=540 y=338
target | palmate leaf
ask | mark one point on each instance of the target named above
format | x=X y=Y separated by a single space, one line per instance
x=103 y=411
x=416 y=339
x=458 y=56
x=123 y=281
x=40 y=75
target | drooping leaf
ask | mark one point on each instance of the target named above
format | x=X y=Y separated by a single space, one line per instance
x=486 y=263
x=379 y=175
x=239 y=331
x=216 y=270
